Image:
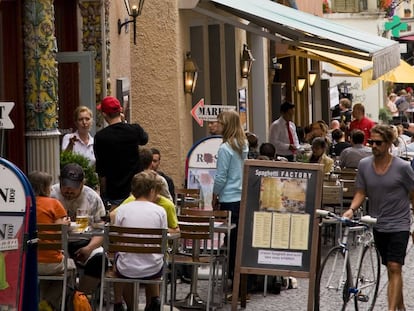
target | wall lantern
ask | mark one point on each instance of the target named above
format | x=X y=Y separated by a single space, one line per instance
x=312 y=77
x=246 y=62
x=134 y=9
x=300 y=83
x=190 y=74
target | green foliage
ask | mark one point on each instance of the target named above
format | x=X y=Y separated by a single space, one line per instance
x=384 y=115
x=91 y=178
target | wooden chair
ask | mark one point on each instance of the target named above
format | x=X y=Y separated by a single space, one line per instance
x=54 y=237
x=135 y=241
x=197 y=236
x=347 y=173
x=332 y=200
x=349 y=186
x=220 y=247
x=187 y=198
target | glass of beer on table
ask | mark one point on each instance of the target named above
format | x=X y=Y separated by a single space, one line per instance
x=82 y=219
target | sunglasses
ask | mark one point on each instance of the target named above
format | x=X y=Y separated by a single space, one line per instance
x=377 y=142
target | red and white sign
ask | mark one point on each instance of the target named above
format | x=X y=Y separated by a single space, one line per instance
x=201 y=112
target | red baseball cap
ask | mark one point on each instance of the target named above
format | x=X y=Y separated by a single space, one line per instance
x=110 y=104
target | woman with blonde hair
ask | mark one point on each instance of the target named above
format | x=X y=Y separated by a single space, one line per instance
x=229 y=173
x=81 y=141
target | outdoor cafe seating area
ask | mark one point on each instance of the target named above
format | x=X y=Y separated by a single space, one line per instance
x=200 y=245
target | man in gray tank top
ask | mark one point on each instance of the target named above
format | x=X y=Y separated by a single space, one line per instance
x=388 y=182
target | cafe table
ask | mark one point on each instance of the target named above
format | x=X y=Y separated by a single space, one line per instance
x=193 y=299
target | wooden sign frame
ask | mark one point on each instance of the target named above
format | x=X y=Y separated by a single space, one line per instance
x=278 y=230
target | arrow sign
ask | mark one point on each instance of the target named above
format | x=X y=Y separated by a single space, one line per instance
x=5 y=121
x=201 y=112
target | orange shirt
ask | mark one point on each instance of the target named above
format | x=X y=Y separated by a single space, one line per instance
x=48 y=210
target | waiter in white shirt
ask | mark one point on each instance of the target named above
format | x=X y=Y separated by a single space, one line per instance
x=283 y=133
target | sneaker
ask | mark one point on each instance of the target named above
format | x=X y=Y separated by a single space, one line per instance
x=119 y=306
x=155 y=304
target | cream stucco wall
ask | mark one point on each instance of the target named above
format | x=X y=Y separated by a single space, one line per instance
x=158 y=100
x=120 y=57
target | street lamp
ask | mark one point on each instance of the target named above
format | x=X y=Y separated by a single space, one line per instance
x=246 y=62
x=312 y=77
x=190 y=74
x=300 y=83
x=134 y=9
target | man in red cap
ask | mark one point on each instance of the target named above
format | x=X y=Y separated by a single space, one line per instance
x=116 y=152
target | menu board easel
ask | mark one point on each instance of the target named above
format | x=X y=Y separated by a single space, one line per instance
x=278 y=231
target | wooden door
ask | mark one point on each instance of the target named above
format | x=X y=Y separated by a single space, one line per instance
x=11 y=81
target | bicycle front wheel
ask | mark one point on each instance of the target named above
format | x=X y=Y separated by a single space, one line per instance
x=333 y=281
x=368 y=279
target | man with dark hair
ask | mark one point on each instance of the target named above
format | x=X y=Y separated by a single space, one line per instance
x=267 y=150
x=388 y=182
x=85 y=250
x=283 y=132
x=116 y=152
x=350 y=157
x=156 y=160
x=338 y=143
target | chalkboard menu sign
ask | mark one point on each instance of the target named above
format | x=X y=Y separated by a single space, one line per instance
x=278 y=230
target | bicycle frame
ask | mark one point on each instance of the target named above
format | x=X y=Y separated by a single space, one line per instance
x=347 y=283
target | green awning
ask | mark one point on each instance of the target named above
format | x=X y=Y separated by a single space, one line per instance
x=301 y=29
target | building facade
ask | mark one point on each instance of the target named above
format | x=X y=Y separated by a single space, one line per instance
x=59 y=54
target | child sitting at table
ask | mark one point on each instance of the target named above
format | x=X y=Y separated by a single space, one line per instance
x=140 y=213
x=49 y=262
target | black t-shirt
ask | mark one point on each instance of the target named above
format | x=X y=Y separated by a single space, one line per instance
x=117 y=157
x=345 y=116
x=338 y=147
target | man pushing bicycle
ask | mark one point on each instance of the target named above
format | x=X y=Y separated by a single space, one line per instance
x=388 y=182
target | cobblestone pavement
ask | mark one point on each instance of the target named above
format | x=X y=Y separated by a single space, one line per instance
x=296 y=299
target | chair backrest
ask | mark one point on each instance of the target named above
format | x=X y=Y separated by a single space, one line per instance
x=135 y=240
x=348 y=173
x=54 y=237
x=349 y=188
x=196 y=229
x=332 y=195
x=219 y=215
x=187 y=198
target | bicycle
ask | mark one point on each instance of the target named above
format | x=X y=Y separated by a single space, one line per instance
x=335 y=285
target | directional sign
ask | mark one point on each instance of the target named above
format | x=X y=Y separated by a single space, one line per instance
x=5 y=121
x=201 y=112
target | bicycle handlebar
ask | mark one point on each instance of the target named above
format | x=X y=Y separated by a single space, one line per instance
x=366 y=219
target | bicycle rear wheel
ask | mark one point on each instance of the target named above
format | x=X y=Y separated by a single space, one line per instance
x=368 y=278
x=332 y=282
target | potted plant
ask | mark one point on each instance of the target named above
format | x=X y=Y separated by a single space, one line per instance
x=384 y=115
x=91 y=178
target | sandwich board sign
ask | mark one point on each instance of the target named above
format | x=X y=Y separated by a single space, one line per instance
x=18 y=261
x=201 y=167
